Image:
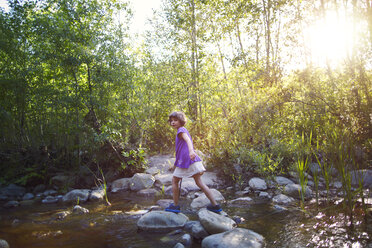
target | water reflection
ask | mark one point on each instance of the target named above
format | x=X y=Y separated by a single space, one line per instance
x=115 y=226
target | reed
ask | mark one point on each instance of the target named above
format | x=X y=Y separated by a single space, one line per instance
x=342 y=159
x=101 y=182
x=302 y=167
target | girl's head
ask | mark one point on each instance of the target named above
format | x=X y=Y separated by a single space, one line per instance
x=178 y=115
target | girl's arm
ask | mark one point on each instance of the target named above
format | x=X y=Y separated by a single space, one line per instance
x=192 y=153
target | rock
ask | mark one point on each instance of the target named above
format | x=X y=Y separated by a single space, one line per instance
x=211 y=179
x=147 y=192
x=294 y=190
x=169 y=191
x=13 y=190
x=264 y=195
x=257 y=184
x=79 y=210
x=314 y=168
x=236 y=238
x=179 y=245
x=241 y=192
x=50 y=199
x=282 y=199
x=3 y=244
x=189 y=184
x=76 y=195
x=203 y=201
x=336 y=185
x=215 y=223
x=241 y=201
x=294 y=175
x=39 y=188
x=152 y=171
x=60 y=181
x=186 y=240
x=164 y=202
x=196 y=229
x=279 y=208
x=161 y=162
x=11 y=204
x=61 y=215
x=283 y=180
x=141 y=181
x=97 y=195
x=161 y=221
x=28 y=196
x=163 y=179
x=120 y=184
x=50 y=192
x=364 y=176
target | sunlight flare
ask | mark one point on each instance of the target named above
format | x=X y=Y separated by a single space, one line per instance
x=330 y=39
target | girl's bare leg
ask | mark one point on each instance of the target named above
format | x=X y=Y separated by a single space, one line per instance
x=176 y=190
x=204 y=188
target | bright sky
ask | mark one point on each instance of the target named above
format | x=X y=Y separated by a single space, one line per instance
x=142 y=11
x=4 y=4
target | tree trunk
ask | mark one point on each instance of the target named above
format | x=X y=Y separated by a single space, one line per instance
x=267 y=24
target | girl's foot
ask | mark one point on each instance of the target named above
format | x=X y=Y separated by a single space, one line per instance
x=217 y=208
x=173 y=208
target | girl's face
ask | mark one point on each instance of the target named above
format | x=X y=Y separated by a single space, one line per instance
x=175 y=123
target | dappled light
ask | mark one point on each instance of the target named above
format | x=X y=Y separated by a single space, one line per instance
x=277 y=95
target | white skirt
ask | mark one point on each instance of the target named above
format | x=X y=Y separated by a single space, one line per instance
x=194 y=168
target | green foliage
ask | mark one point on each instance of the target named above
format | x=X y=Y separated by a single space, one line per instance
x=71 y=81
x=134 y=158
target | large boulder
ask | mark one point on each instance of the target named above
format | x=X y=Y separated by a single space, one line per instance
x=141 y=181
x=13 y=190
x=215 y=223
x=163 y=179
x=202 y=200
x=120 y=184
x=189 y=185
x=161 y=221
x=294 y=191
x=210 y=179
x=161 y=162
x=60 y=181
x=236 y=238
x=257 y=184
x=76 y=195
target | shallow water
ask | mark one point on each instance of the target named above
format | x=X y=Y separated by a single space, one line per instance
x=35 y=226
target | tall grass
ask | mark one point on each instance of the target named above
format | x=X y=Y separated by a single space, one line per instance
x=342 y=158
x=302 y=167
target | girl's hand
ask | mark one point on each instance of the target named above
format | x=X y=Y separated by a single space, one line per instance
x=192 y=155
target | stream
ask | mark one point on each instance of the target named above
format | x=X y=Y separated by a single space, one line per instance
x=35 y=225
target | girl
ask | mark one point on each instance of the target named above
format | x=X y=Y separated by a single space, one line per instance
x=187 y=163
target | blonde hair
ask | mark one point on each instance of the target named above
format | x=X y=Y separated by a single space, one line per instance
x=180 y=116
